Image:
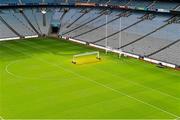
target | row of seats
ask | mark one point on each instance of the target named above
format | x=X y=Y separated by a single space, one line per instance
x=95 y=31
x=166 y=5
x=41 y=22
x=17 y=22
x=92 y=27
x=5 y=32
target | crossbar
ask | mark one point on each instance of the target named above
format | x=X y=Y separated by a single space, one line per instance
x=86 y=54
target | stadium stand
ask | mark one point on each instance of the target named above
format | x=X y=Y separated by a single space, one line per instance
x=153 y=35
x=177 y=8
x=170 y=55
x=100 y=1
x=70 y=16
x=143 y=38
x=140 y=3
x=112 y=28
x=8 y=1
x=31 y=1
x=90 y=17
x=117 y=2
x=94 y=18
x=18 y=23
x=44 y=20
x=5 y=32
x=135 y=32
x=165 y=5
x=98 y=23
x=83 y=12
x=30 y=13
x=29 y=22
x=154 y=42
x=53 y=1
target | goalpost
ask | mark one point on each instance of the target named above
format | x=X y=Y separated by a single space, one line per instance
x=85 y=56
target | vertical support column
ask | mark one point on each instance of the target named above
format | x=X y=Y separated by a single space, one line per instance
x=106 y=42
x=43 y=11
x=44 y=20
x=120 y=38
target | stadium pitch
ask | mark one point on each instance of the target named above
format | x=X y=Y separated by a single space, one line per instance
x=39 y=81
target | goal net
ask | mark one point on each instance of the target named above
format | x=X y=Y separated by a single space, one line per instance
x=88 y=57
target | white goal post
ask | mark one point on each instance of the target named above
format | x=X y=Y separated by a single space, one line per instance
x=86 y=54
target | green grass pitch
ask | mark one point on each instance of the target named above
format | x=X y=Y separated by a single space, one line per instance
x=38 y=81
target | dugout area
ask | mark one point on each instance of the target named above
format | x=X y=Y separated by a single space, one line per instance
x=39 y=81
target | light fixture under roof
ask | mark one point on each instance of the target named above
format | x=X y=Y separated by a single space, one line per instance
x=43 y=11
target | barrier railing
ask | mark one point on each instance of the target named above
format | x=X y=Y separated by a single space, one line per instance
x=31 y=36
x=11 y=38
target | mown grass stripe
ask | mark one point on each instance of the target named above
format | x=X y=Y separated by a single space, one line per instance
x=109 y=72
x=105 y=86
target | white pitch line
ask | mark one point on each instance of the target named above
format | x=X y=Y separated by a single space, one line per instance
x=135 y=83
x=146 y=66
x=163 y=93
x=1 y=118
x=100 y=84
x=177 y=118
x=22 y=77
x=112 y=89
x=68 y=69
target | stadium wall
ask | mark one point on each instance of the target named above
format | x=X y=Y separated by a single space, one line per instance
x=16 y=38
x=34 y=36
x=12 y=38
